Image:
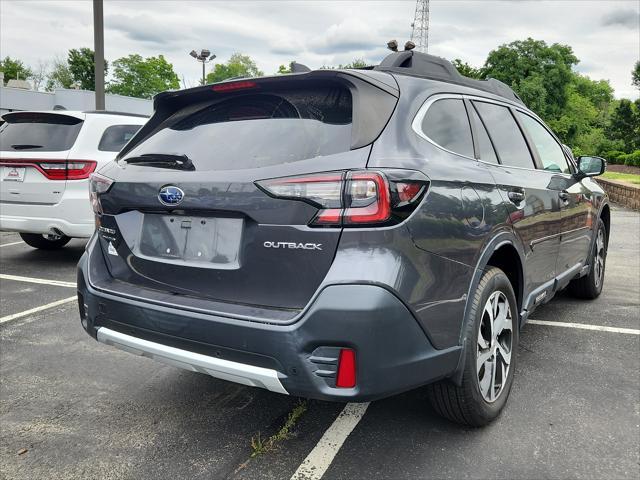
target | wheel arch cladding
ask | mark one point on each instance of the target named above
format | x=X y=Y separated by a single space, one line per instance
x=605 y=215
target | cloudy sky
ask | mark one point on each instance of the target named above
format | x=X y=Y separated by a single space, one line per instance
x=605 y=35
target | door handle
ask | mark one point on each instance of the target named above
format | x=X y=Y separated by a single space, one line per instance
x=516 y=196
x=564 y=196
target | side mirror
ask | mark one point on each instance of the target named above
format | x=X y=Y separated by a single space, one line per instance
x=591 y=166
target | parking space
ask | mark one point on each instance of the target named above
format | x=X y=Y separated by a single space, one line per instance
x=72 y=408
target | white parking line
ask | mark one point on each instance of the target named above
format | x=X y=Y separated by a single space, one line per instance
x=319 y=459
x=9 y=244
x=26 y=313
x=586 y=326
x=55 y=283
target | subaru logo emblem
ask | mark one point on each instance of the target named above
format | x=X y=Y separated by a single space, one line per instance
x=170 y=195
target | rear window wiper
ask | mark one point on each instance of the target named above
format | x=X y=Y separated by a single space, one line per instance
x=162 y=160
x=25 y=146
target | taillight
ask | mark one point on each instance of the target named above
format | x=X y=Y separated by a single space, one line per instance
x=56 y=169
x=98 y=184
x=353 y=198
x=233 y=86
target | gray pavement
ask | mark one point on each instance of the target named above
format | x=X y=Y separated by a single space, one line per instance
x=83 y=410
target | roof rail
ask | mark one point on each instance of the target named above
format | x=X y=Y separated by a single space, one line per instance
x=423 y=65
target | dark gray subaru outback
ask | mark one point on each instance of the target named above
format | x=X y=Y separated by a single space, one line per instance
x=342 y=234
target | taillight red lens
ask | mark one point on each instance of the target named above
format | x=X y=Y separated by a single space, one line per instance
x=56 y=169
x=350 y=199
x=346 y=376
x=232 y=86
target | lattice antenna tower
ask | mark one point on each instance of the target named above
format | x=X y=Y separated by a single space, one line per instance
x=420 y=26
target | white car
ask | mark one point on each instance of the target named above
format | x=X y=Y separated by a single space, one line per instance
x=46 y=159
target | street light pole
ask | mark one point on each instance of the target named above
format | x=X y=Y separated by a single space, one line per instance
x=205 y=57
x=98 y=56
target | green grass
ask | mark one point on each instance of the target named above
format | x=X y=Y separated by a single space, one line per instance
x=260 y=446
x=626 y=177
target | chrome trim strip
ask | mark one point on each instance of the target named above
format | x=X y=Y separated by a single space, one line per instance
x=216 y=367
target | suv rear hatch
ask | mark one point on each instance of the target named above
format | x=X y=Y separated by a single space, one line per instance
x=34 y=156
x=194 y=210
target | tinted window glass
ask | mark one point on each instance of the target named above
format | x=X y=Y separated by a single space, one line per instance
x=505 y=134
x=549 y=150
x=38 y=132
x=258 y=130
x=447 y=124
x=487 y=153
x=116 y=136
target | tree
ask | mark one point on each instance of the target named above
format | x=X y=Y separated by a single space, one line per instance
x=238 y=65
x=623 y=124
x=286 y=68
x=40 y=74
x=467 y=70
x=635 y=75
x=138 y=77
x=356 y=63
x=14 y=69
x=60 y=75
x=82 y=67
x=531 y=66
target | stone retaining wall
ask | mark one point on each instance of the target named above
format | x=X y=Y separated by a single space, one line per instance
x=622 y=193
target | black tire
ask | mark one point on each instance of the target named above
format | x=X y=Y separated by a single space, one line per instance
x=589 y=287
x=466 y=404
x=45 y=242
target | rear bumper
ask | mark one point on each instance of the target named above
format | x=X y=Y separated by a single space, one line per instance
x=72 y=215
x=392 y=352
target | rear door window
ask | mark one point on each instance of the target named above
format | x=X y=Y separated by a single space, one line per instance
x=116 y=136
x=506 y=136
x=446 y=123
x=549 y=151
x=38 y=132
x=258 y=130
x=487 y=153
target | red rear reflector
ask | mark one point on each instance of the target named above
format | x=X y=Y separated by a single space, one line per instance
x=56 y=169
x=231 y=86
x=408 y=191
x=346 y=377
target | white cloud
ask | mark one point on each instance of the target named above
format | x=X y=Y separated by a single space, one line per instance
x=602 y=34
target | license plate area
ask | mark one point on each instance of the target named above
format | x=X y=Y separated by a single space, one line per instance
x=13 y=174
x=190 y=240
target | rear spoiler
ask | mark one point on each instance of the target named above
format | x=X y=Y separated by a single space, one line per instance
x=374 y=95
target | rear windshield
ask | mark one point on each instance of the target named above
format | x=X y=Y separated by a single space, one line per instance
x=257 y=130
x=38 y=132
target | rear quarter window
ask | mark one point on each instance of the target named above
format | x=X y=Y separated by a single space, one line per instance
x=38 y=132
x=116 y=136
x=446 y=123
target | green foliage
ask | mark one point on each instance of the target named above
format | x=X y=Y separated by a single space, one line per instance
x=286 y=68
x=81 y=64
x=624 y=124
x=238 y=65
x=356 y=63
x=467 y=70
x=60 y=76
x=631 y=159
x=635 y=75
x=534 y=69
x=135 y=76
x=14 y=69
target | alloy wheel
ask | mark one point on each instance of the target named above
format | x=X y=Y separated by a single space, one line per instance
x=495 y=341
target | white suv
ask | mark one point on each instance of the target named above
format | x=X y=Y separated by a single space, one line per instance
x=46 y=159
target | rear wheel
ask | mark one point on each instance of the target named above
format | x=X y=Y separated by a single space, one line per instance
x=46 y=241
x=590 y=286
x=491 y=338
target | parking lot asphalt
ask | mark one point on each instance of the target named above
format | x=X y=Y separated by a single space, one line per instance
x=73 y=408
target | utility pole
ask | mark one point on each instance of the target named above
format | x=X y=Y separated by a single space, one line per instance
x=205 y=56
x=420 y=26
x=98 y=49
